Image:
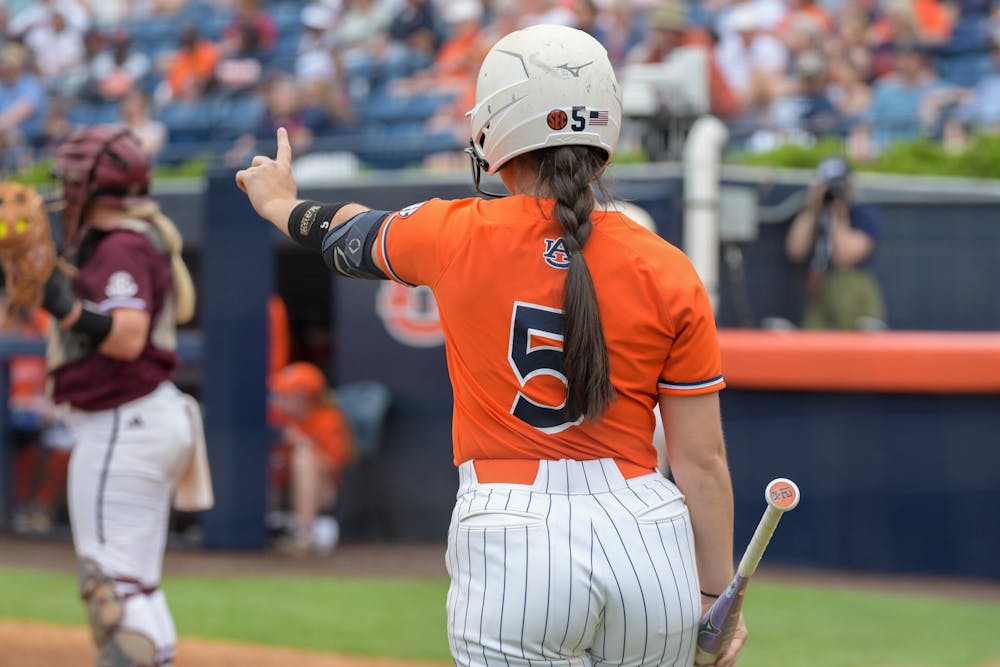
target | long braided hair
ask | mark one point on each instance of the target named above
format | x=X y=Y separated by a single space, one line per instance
x=568 y=174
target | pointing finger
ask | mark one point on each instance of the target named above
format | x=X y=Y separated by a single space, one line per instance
x=284 y=147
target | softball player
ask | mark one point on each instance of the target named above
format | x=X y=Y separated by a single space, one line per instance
x=564 y=326
x=111 y=357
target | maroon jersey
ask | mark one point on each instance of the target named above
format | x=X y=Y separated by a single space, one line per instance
x=124 y=270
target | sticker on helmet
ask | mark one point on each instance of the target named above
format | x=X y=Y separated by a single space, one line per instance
x=599 y=117
x=557 y=119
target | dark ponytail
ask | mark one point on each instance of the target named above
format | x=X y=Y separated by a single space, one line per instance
x=567 y=174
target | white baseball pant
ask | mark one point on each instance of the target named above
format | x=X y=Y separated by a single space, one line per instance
x=121 y=477
x=581 y=568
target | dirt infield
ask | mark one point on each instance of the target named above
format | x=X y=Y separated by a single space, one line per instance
x=43 y=645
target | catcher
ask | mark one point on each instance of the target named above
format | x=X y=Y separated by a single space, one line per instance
x=27 y=255
x=111 y=356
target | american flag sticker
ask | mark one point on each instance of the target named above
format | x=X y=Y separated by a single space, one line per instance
x=598 y=117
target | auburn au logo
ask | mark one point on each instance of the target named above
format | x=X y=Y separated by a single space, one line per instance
x=409 y=314
x=555 y=254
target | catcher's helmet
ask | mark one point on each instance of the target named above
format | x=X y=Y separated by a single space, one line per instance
x=102 y=163
x=547 y=85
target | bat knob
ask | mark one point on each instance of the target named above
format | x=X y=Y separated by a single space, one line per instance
x=782 y=494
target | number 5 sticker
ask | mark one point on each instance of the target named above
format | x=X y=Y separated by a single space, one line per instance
x=527 y=322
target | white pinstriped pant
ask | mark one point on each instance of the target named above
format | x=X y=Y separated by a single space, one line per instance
x=581 y=568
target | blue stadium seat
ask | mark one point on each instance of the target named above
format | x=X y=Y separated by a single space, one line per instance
x=971 y=35
x=188 y=122
x=235 y=116
x=964 y=70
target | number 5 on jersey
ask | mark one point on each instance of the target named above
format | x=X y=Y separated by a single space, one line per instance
x=532 y=323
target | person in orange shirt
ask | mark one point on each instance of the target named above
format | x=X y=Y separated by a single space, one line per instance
x=192 y=69
x=316 y=445
x=564 y=325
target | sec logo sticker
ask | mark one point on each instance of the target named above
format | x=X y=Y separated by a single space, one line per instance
x=557 y=119
x=410 y=314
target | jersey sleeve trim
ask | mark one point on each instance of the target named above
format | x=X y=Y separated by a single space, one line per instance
x=385 y=252
x=122 y=302
x=665 y=386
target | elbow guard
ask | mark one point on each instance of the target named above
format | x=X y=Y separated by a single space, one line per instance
x=347 y=248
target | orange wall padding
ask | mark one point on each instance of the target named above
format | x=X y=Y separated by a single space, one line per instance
x=890 y=362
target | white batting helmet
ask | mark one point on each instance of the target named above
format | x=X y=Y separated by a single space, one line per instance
x=547 y=85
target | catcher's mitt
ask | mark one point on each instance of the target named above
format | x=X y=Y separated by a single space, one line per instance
x=27 y=254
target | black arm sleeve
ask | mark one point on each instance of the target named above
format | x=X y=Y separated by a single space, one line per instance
x=347 y=249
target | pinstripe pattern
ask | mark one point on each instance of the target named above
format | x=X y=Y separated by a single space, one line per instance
x=581 y=568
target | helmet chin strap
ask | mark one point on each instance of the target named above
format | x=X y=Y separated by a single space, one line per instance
x=478 y=165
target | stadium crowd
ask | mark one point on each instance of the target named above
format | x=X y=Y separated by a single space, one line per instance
x=390 y=80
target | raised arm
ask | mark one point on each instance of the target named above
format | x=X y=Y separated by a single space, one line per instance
x=271 y=189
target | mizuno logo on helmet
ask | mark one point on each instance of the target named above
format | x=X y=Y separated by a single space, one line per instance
x=574 y=69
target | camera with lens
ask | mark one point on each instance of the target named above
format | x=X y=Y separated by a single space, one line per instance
x=834 y=174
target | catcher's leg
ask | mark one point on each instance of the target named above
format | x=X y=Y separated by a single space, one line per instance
x=118 y=644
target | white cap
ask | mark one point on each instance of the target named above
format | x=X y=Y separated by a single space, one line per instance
x=743 y=17
x=459 y=11
x=316 y=17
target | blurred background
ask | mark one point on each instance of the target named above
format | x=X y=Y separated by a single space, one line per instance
x=755 y=133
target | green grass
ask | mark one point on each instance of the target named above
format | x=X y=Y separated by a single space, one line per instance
x=795 y=626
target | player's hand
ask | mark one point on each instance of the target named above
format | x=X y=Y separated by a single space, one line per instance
x=269 y=183
x=728 y=659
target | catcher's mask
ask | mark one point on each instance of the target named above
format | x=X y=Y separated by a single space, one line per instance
x=103 y=163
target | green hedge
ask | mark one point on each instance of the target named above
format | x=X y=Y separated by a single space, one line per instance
x=980 y=159
x=40 y=173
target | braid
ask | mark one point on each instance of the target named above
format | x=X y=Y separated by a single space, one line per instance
x=569 y=173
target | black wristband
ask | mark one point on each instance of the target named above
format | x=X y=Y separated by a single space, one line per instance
x=93 y=323
x=709 y=595
x=309 y=222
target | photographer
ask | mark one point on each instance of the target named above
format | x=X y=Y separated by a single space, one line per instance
x=837 y=238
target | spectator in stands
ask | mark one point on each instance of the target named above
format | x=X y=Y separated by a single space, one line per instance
x=135 y=113
x=412 y=38
x=819 y=116
x=191 y=72
x=667 y=29
x=316 y=445
x=241 y=66
x=926 y=21
x=282 y=108
x=750 y=58
x=22 y=106
x=850 y=45
x=809 y=9
x=38 y=15
x=848 y=90
x=538 y=12
x=620 y=29
x=456 y=65
x=897 y=100
x=250 y=25
x=978 y=109
x=120 y=70
x=57 y=48
x=836 y=238
x=360 y=30
x=315 y=58
x=56 y=126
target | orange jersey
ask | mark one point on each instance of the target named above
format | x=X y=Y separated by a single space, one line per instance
x=328 y=430
x=497 y=270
